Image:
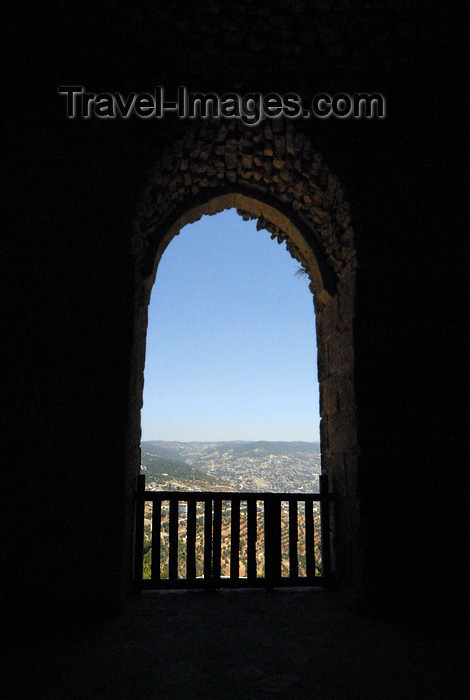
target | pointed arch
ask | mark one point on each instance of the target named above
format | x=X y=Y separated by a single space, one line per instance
x=271 y=163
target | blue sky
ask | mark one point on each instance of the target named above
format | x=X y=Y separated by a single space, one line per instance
x=231 y=349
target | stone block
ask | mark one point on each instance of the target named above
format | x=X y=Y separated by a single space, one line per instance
x=329 y=399
x=345 y=393
x=342 y=433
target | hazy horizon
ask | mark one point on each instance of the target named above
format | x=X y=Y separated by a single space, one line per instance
x=214 y=441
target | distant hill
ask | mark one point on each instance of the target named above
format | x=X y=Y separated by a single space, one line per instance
x=162 y=449
x=177 y=450
x=273 y=448
x=243 y=465
x=160 y=468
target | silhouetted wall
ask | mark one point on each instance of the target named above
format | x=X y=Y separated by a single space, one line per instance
x=68 y=280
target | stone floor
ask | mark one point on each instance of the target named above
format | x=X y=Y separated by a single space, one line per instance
x=241 y=645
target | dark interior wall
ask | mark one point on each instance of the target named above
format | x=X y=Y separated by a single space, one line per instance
x=68 y=282
x=67 y=278
x=411 y=405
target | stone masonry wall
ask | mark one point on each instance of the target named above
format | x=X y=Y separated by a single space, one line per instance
x=269 y=160
x=274 y=175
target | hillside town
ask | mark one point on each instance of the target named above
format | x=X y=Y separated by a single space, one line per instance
x=242 y=466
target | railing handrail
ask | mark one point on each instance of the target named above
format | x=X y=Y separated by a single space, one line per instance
x=230 y=496
x=212 y=512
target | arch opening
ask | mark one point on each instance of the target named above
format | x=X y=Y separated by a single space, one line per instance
x=297 y=200
x=231 y=354
x=233 y=325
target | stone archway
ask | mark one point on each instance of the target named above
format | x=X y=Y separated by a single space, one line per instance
x=271 y=173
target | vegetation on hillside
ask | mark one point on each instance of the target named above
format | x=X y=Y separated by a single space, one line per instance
x=162 y=469
x=162 y=552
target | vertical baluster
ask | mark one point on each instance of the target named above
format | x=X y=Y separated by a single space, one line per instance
x=251 y=537
x=293 y=539
x=191 y=541
x=309 y=539
x=217 y=538
x=139 y=532
x=173 y=540
x=156 y=535
x=208 y=540
x=272 y=534
x=235 y=539
x=325 y=525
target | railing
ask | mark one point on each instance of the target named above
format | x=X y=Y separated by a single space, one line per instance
x=188 y=539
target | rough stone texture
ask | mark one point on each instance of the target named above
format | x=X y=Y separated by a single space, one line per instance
x=226 y=155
